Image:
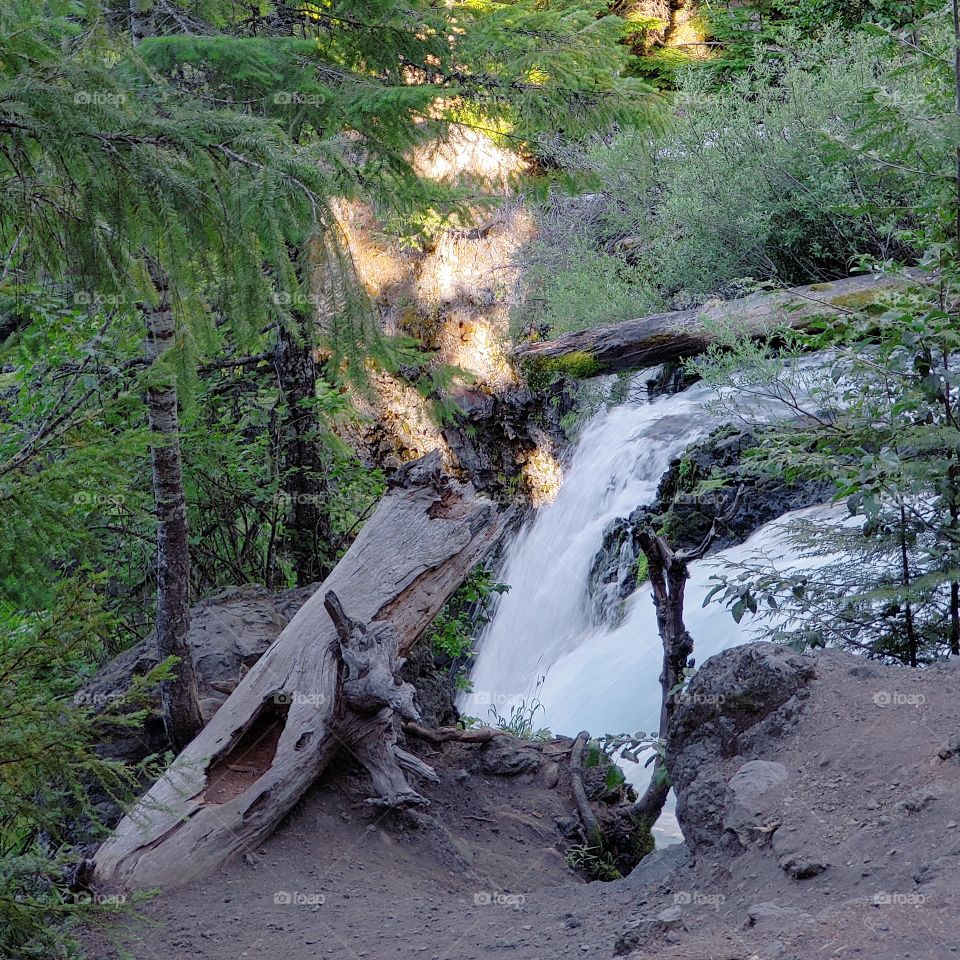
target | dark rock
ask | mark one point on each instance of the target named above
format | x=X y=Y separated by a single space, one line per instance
x=658 y=866
x=507 y=757
x=229 y=632
x=738 y=696
x=613 y=573
x=493 y=434
x=801 y=866
x=434 y=685
x=635 y=933
x=950 y=749
x=916 y=802
x=686 y=516
x=569 y=828
x=689 y=515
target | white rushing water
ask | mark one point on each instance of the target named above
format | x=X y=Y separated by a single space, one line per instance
x=541 y=641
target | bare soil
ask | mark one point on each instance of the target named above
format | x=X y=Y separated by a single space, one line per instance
x=481 y=874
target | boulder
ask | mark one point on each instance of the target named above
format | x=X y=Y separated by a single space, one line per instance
x=753 y=801
x=229 y=632
x=741 y=699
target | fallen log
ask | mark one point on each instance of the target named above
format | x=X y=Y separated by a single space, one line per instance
x=441 y=735
x=310 y=694
x=664 y=337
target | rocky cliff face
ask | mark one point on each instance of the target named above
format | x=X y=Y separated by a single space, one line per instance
x=686 y=515
x=819 y=796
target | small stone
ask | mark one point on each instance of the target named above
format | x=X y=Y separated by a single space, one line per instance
x=802 y=867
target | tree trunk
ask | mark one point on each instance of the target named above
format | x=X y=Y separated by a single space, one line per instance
x=669 y=571
x=290 y=714
x=309 y=535
x=634 y=344
x=668 y=578
x=178 y=697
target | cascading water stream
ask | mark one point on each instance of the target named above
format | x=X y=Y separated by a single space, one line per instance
x=542 y=641
x=616 y=466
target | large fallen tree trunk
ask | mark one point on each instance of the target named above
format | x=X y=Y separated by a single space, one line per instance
x=312 y=692
x=648 y=341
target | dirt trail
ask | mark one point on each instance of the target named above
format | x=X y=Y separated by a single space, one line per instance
x=481 y=874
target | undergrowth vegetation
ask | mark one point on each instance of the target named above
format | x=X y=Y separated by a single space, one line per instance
x=766 y=177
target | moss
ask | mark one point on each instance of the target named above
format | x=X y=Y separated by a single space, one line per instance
x=641 y=841
x=687 y=475
x=642 y=569
x=855 y=301
x=579 y=365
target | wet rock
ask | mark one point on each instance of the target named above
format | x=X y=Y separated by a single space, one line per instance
x=690 y=514
x=686 y=515
x=613 y=573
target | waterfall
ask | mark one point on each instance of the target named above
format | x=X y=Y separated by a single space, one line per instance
x=542 y=641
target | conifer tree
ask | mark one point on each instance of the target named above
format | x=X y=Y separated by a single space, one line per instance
x=158 y=154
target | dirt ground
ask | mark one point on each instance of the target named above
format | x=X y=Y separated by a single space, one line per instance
x=481 y=873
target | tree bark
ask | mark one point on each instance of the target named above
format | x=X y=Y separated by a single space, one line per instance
x=669 y=571
x=179 y=697
x=296 y=707
x=309 y=534
x=634 y=344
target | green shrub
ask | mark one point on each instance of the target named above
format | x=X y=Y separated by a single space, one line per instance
x=454 y=629
x=762 y=179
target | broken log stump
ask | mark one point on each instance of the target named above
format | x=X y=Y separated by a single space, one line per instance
x=281 y=726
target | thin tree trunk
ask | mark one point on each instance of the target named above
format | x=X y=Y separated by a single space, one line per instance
x=955 y=618
x=140 y=25
x=179 y=697
x=309 y=533
x=669 y=571
x=912 y=645
x=955 y=587
x=956 y=82
x=668 y=577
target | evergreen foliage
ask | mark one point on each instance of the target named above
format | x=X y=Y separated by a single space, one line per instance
x=881 y=418
x=207 y=145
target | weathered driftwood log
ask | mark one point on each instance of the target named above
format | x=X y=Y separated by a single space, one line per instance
x=648 y=341
x=441 y=735
x=290 y=714
x=371 y=701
